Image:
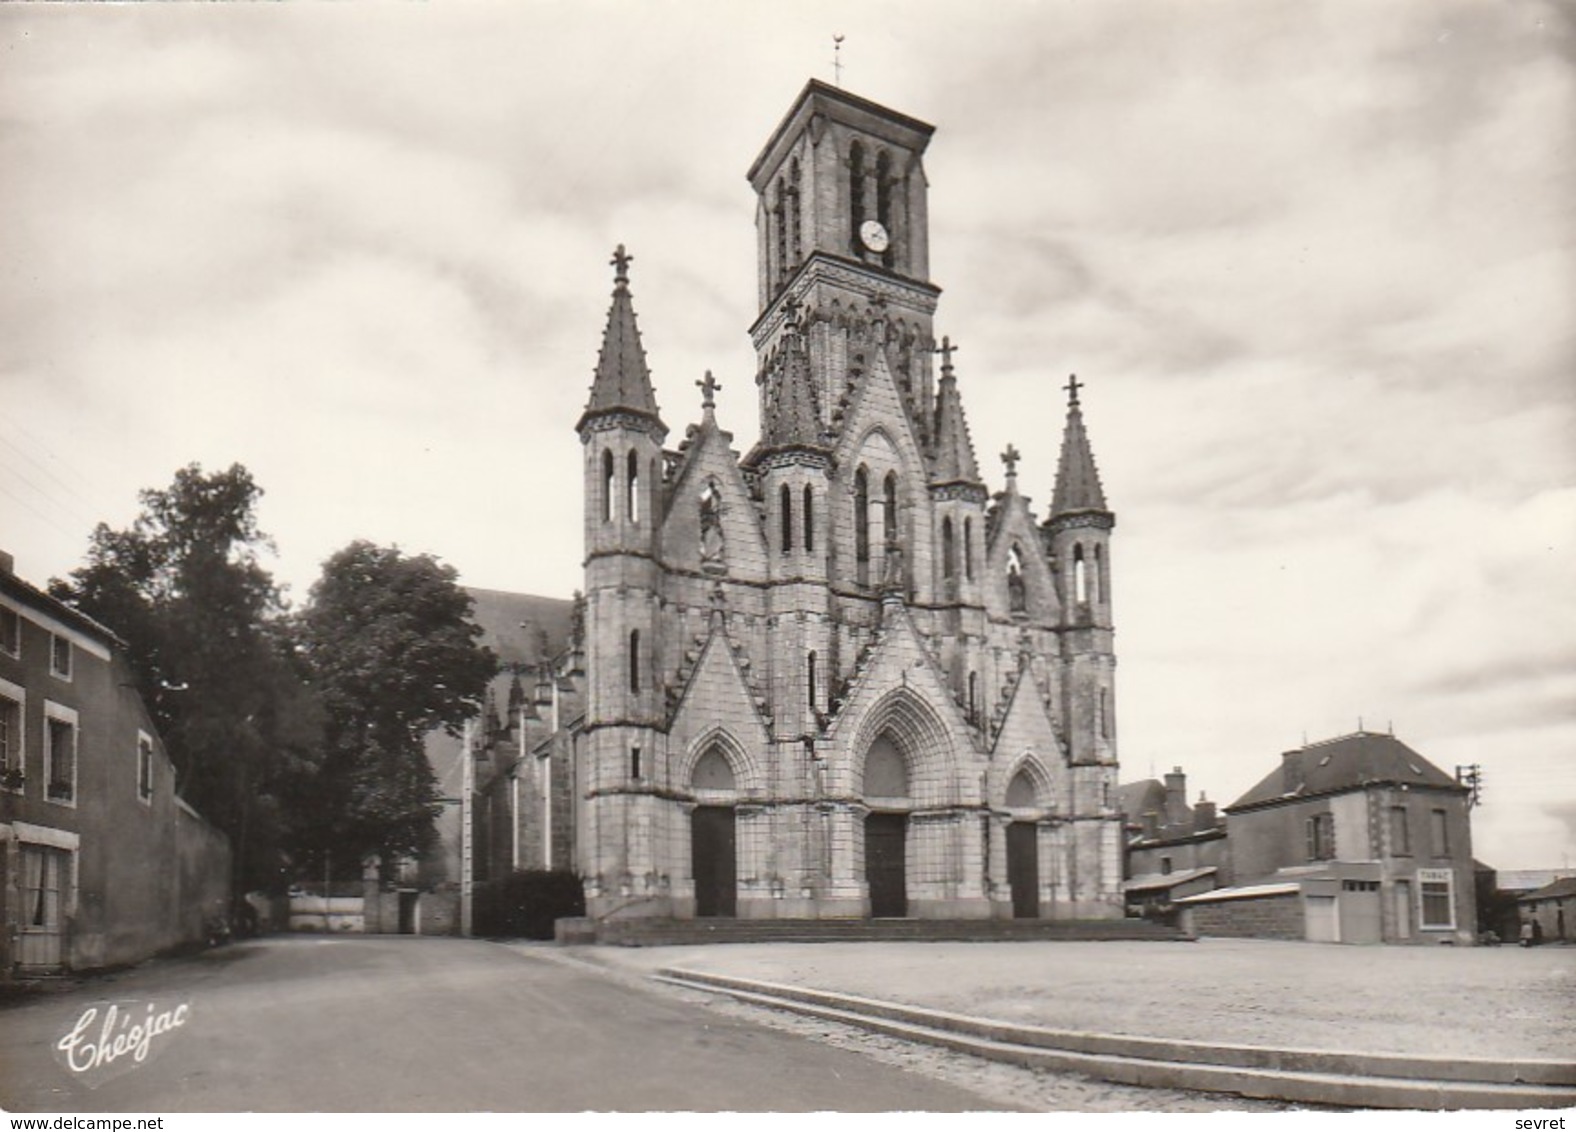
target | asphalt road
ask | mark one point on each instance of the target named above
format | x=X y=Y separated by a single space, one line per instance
x=353 y=1024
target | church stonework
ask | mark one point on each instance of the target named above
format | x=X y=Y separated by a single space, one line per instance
x=838 y=676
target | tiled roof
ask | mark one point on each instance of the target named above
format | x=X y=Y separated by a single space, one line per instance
x=1244 y=892
x=1135 y=799
x=1161 y=882
x=1348 y=763
x=1528 y=880
x=512 y=624
x=29 y=594
x=1560 y=888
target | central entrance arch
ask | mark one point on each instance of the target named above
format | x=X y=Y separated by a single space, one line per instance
x=714 y=854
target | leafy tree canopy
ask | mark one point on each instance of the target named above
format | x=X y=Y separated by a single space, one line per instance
x=391 y=648
x=184 y=587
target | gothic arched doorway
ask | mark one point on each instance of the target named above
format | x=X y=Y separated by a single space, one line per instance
x=713 y=840
x=1023 y=850
x=886 y=828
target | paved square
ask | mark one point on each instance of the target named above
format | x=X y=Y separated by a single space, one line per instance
x=1504 y=1002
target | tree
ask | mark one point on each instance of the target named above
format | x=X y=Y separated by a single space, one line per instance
x=201 y=617
x=391 y=649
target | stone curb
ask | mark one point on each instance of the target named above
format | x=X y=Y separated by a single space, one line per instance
x=1301 y=1076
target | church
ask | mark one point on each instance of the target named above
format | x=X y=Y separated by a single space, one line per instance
x=837 y=676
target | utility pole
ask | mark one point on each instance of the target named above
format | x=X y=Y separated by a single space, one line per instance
x=467 y=868
x=1472 y=778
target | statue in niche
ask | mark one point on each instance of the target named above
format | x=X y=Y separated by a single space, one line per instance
x=892 y=576
x=711 y=539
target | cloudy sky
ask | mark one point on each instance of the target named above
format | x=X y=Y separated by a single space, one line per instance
x=1314 y=260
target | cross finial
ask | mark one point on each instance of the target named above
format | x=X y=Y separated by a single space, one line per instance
x=1073 y=386
x=837 y=59
x=621 y=261
x=708 y=391
x=1010 y=458
x=946 y=350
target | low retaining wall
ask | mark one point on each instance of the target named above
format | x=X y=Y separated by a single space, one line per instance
x=333 y=914
x=1258 y=917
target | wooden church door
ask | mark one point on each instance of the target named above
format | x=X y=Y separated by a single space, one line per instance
x=1023 y=869
x=715 y=861
x=885 y=864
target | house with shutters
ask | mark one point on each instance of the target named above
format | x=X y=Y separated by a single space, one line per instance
x=101 y=861
x=1357 y=839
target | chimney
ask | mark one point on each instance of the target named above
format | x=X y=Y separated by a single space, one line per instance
x=7 y=563
x=1203 y=815
x=1151 y=826
x=1176 y=798
x=1291 y=772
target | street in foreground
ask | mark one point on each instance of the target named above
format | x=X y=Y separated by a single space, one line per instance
x=349 y=1024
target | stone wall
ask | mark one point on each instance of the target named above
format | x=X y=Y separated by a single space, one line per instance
x=1258 y=917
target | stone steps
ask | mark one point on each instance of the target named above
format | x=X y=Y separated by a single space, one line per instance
x=1301 y=1076
x=665 y=933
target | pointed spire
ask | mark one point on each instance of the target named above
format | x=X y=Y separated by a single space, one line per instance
x=793 y=420
x=1077 y=479
x=622 y=380
x=954 y=450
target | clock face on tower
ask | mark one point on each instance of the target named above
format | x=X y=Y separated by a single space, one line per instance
x=874 y=236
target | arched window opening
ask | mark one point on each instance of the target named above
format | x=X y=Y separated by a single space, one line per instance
x=632 y=487
x=810 y=674
x=1080 y=576
x=889 y=510
x=968 y=549
x=607 y=485
x=785 y=506
x=795 y=218
x=948 y=566
x=634 y=762
x=634 y=660
x=856 y=191
x=884 y=200
x=1017 y=598
x=1105 y=716
x=809 y=518
x=862 y=523
x=780 y=223
x=1102 y=583
x=974 y=697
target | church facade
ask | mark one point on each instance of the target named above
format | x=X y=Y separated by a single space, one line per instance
x=837 y=675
